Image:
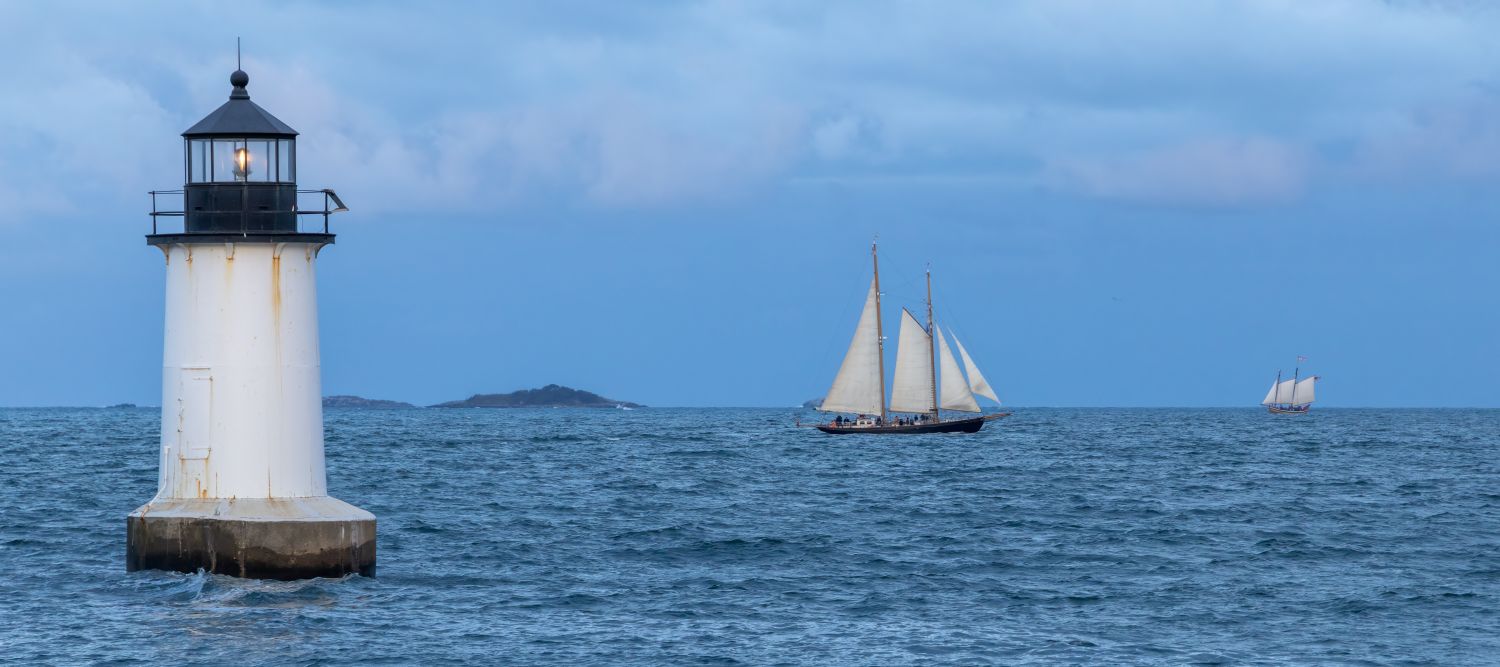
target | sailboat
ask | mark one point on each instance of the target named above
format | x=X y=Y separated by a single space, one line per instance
x=1291 y=397
x=859 y=387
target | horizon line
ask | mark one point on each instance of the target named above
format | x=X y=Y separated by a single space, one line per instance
x=132 y=406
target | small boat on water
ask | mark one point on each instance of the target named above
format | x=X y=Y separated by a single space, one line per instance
x=859 y=387
x=1291 y=397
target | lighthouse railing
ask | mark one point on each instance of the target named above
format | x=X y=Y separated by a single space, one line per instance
x=331 y=204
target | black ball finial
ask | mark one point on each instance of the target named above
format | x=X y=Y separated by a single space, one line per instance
x=239 y=80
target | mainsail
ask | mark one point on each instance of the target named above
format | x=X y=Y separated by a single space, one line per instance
x=857 y=386
x=1304 y=393
x=954 y=390
x=977 y=383
x=912 y=391
x=1281 y=393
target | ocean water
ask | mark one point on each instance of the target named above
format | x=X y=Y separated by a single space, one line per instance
x=663 y=536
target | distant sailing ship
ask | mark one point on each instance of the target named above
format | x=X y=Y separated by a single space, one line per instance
x=859 y=387
x=1291 y=397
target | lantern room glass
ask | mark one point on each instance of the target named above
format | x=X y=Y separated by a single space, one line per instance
x=244 y=160
x=198 y=161
x=286 y=161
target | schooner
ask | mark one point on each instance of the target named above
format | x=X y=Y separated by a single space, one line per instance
x=1291 y=397
x=859 y=387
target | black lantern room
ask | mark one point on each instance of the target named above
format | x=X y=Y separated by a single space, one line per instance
x=241 y=177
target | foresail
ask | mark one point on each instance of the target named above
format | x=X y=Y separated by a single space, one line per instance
x=1305 y=393
x=1270 y=395
x=912 y=390
x=857 y=386
x=977 y=383
x=953 y=392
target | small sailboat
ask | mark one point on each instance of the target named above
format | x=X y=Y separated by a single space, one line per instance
x=1291 y=397
x=859 y=387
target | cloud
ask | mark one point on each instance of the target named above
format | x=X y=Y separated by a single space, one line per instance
x=845 y=136
x=471 y=108
x=608 y=150
x=1206 y=172
x=1452 y=140
x=78 y=136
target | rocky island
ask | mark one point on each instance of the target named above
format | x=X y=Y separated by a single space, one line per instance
x=550 y=396
x=361 y=403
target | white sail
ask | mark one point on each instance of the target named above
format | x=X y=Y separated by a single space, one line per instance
x=857 y=386
x=1284 y=391
x=1305 y=394
x=912 y=391
x=1280 y=393
x=1270 y=398
x=953 y=391
x=977 y=383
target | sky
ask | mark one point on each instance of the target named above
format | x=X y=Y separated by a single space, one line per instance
x=1123 y=204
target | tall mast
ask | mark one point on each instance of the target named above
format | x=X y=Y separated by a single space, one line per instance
x=932 y=344
x=879 y=332
x=1276 y=389
x=1295 y=374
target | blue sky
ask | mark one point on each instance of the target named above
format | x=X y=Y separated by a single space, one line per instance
x=1125 y=204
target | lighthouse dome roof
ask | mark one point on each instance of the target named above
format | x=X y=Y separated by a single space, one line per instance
x=239 y=117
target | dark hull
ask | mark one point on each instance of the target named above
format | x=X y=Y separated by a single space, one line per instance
x=1288 y=411
x=970 y=425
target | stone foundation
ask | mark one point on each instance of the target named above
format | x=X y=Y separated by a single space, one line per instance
x=278 y=538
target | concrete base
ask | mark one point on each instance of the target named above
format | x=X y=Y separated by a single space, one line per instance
x=279 y=538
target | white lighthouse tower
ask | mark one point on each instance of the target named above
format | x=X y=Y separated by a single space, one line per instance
x=242 y=489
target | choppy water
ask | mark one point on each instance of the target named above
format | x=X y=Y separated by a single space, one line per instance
x=724 y=536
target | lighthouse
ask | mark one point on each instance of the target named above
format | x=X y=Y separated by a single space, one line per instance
x=242 y=489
